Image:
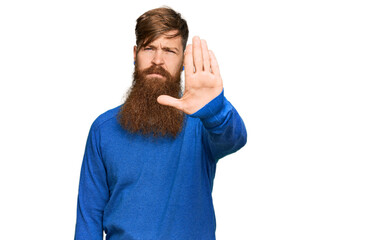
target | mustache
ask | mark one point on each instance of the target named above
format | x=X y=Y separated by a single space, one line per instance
x=157 y=70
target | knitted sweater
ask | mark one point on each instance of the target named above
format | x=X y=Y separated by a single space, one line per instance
x=139 y=187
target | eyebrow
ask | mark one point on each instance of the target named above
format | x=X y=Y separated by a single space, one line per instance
x=164 y=48
x=169 y=48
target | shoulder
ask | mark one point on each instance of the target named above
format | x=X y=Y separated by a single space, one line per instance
x=105 y=118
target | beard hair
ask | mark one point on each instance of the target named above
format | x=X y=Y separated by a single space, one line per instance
x=141 y=113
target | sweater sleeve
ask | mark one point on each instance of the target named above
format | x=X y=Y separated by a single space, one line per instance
x=93 y=191
x=225 y=132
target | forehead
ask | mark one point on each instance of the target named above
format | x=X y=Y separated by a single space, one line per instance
x=167 y=41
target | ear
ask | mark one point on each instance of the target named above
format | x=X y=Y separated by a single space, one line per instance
x=135 y=53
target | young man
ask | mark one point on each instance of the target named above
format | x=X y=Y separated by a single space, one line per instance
x=149 y=164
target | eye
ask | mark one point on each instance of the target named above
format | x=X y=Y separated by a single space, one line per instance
x=170 y=51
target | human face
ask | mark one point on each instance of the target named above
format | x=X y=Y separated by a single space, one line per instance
x=163 y=52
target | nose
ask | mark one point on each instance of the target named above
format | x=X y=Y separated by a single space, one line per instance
x=158 y=58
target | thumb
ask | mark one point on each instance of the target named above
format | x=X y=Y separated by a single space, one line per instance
x=169 y=101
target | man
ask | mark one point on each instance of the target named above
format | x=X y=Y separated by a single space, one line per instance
x=149 y=164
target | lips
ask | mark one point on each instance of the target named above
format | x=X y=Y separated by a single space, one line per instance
x=155 y=75
x=157 y=72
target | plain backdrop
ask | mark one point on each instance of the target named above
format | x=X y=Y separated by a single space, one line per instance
x=309 y=78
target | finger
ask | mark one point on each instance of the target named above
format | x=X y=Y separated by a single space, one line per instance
x=214 y=64
x=169 y=101
x=197 y=55
x=206 y=60
x=188 y=60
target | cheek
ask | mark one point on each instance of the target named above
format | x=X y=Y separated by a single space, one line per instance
x=175 y=65
x=143 y=61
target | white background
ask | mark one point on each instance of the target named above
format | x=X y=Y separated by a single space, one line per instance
x=309 y=78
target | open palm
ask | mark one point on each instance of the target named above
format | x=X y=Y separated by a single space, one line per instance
x=202 y=79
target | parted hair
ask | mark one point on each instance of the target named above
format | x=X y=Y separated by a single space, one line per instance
x=157 y=22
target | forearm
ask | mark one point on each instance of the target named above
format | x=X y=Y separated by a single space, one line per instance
x=225 y=131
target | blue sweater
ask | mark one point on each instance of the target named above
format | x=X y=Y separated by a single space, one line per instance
x=137 y=187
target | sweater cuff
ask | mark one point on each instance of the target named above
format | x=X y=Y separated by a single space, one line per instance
x=215 y=112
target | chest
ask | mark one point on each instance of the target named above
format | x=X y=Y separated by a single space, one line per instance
x=135 y=161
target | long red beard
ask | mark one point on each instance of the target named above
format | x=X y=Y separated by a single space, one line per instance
x=141 y=113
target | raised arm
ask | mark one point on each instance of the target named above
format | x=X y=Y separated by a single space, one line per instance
x=202 y=79
x=224 y=130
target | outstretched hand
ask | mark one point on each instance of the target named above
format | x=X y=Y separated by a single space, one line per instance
x=202 y=79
